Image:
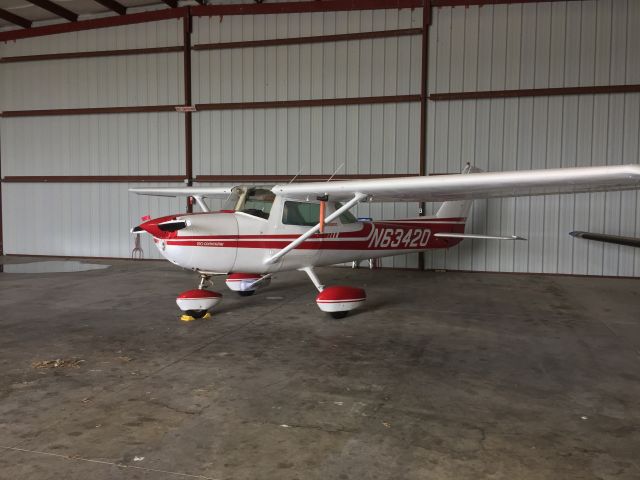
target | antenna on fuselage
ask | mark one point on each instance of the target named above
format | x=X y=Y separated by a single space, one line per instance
x=296 y=176
x=334 y=173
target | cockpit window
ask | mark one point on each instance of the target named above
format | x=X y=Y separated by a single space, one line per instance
x=301 y=213
x=345 y=217
x=257 y=202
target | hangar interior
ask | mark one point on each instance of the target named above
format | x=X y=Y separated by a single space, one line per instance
x=511 y=86
x=487 y=360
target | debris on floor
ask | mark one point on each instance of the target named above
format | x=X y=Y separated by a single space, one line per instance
x=58 y=363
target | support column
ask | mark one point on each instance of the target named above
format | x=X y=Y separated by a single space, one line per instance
x=188 y=134
x=426 y=22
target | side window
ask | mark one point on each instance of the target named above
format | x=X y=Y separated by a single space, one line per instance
x=346 y=217
x=300 y=213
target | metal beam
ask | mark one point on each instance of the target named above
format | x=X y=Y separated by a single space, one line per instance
x=469 y=3
x=88 y=111
x=302 y=7
x=320 y=102
x=182 y=178
x=92 y=54
x=342 y=37
x=424 y=78
x=15 y=19
x=299 y=178
x=188 y=131
x=92 y=178
x=55 y=9
x=105 y=22
x=171 y=3
x=113 y=5
x=536 y=92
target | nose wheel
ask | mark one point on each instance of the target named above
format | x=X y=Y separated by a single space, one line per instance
x=197 y=303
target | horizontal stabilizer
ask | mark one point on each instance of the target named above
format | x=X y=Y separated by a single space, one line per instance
x=615 y=239
x=477 y=237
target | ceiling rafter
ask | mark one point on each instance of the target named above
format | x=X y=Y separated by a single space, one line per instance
x=113 y=5
x=55 y=9
x=15 y=19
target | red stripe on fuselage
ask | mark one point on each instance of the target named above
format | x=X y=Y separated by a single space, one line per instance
x=373 y=236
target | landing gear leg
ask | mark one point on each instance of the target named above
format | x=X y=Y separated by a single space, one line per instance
x=314 y=278
x=205 y=281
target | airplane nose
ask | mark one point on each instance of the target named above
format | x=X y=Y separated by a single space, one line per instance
x=162 y=227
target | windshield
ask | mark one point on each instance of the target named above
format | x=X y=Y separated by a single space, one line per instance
x=256 y=201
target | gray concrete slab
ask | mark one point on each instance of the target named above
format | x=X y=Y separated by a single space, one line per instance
x=441 y=375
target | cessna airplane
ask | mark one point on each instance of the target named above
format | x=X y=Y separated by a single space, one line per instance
x=299 y=226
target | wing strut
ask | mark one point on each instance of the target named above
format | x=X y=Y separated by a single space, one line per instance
x=203 y=206
x=357 y=198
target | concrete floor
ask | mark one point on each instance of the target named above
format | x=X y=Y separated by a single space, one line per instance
x=441 y=376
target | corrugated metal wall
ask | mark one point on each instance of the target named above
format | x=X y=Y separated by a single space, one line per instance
x=537 y=46
x=78 y=219
x=475 y=48
x=89 y=218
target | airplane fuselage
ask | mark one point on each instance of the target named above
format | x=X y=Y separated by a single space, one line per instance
x=231 y=241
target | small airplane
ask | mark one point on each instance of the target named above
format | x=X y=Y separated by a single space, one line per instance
x=299 y=226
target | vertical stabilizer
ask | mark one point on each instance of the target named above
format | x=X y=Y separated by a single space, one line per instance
x=458 y=208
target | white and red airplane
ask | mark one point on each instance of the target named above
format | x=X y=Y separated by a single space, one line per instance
x=299 y=226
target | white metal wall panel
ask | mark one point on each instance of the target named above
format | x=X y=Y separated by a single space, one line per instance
x=134 y=80
x=376 y=139
x=367 y=139
x=114 y=144
x=538 y=46
x=78 y=219
x=90 y=219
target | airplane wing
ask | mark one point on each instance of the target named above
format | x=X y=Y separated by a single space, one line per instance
x=205 y=192
x=439 y=188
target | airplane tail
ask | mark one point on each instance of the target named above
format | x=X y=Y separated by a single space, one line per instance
x=458 y=208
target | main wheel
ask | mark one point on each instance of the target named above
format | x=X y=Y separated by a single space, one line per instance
x=339 y=315
x=246 y=293
x=196 y=313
